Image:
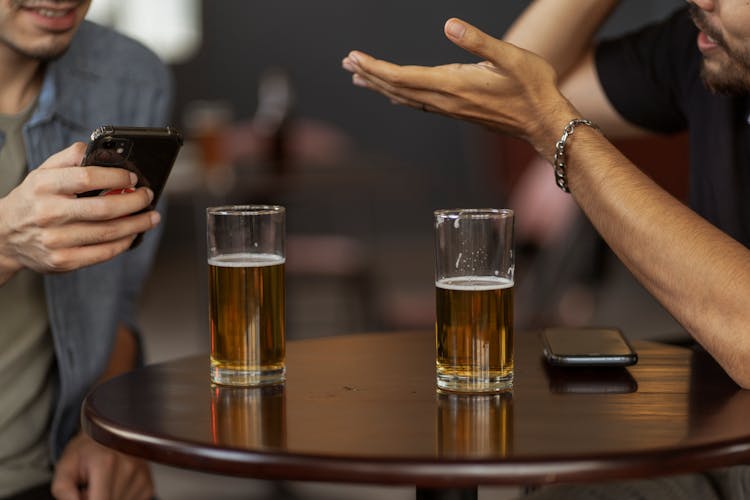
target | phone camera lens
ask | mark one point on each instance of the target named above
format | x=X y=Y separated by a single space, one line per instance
x=108 y=144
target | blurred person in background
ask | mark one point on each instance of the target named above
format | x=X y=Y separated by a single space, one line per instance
x=548 y=83
x=68 y=285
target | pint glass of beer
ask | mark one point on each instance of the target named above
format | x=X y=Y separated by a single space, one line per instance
x=474 y=268
x=246 y=294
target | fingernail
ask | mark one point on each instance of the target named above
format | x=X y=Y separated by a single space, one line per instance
x=348 y=65
x=133 y=179
x=353 y=58
x=155 y=218
x=359 y=81
x=455 y=29
x=150 y=194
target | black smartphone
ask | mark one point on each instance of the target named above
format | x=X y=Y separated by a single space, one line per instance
x=588 y=346
x=148 y=152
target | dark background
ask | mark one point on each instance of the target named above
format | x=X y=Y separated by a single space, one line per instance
x=399 y=165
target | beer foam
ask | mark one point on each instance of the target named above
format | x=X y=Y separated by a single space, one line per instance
x=474 y=283
x=246 y=260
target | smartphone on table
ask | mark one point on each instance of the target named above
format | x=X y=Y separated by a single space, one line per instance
x=148 y=152
x=587 y=346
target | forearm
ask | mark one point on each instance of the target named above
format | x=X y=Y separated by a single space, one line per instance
x=560 y=31
x=699 y=274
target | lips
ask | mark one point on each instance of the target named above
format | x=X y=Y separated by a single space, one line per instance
x=706 y=43
x=51 y=16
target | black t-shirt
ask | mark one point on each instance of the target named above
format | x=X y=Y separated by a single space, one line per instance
x=652 y=78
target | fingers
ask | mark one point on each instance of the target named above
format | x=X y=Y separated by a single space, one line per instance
x=119 y=477
x=402 y=77
x=95 y=233
x=65 y=482
x=83 y=245
x=101 y=208
x=103 y=474
x=100 y=473
x=414 y=86
x=72 y=155
x=409 y=97
x=62 y=249
x=133 y=481
x=47 y=212
x=77 y=180
x=62 y=173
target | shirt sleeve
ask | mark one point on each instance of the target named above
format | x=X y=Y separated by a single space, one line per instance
x=645 y=73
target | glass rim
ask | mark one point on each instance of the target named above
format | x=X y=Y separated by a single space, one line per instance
x=473 y=213
x=245 y=210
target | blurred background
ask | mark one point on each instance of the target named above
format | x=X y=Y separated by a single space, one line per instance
x=271 y=117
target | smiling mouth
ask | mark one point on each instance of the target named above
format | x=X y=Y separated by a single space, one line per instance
x=50 y=13
x=47 y=8
x=712 y=36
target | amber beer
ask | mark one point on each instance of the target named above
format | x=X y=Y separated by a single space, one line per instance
x=246 y=316
x=474 y=332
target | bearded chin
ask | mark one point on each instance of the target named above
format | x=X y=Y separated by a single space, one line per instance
x=43 y=53
x=732 y=81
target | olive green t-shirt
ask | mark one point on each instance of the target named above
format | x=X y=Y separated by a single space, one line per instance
x=26 y=352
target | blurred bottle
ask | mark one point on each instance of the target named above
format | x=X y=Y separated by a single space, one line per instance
x=273 y=115
x=206 y=123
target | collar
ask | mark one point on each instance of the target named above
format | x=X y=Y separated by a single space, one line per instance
x=67 y=82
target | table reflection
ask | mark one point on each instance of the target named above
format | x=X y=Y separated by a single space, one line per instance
x=474 y=425
x=248 y=417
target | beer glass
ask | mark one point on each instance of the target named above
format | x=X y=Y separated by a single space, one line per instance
x=474 y=268
x=246 y=294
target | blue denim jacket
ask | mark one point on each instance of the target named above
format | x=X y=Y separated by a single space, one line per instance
x=103 y=78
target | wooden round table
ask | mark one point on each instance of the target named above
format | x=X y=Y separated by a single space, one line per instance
x=364 y=409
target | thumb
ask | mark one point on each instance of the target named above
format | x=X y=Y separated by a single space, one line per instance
x=478 y=42
x=70 y=156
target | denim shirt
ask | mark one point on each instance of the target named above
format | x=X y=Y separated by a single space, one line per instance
x=103 y=78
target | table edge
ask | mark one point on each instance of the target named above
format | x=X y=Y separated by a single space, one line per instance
x=420 y=472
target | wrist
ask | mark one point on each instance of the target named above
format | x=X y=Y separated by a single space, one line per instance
x=560 y=160
x=8 y=267
x=8 y=264
x=553 y=119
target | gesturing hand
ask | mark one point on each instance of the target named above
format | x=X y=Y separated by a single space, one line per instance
x=512 y=90
x=44 y=226
x=89 y=471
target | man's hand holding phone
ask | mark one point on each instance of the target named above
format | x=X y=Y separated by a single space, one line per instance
x=46 y=227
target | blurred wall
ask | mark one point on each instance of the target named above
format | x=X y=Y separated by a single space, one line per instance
x=405 y=164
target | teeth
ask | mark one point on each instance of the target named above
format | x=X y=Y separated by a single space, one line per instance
x=712 y=40
x=51 y=13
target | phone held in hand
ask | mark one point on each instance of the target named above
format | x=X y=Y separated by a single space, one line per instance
x=148 y=152
x=564 y=346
